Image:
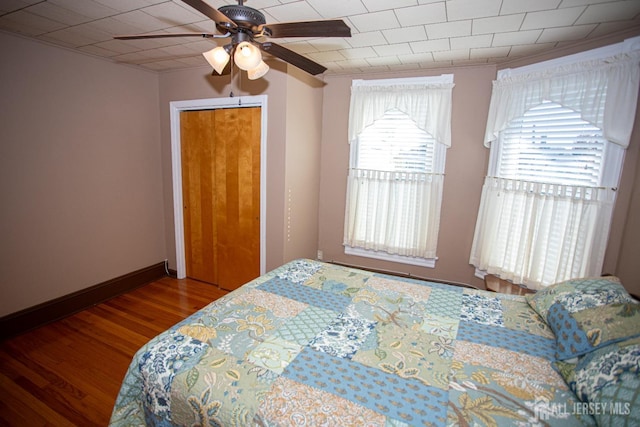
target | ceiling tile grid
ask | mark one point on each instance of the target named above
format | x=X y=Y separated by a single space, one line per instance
x=396 y=35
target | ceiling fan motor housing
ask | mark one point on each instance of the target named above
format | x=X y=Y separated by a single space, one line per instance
x=244 y=16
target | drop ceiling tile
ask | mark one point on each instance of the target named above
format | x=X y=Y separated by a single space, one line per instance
x=99 y=51
x=179 y=50
x=519 y=6
x=423 y=14
x=378 y=5
x=430 y=45
x=551 y=18
x=470 y=9
x=498 y=24
x=301 y=47
x=449 y=29
x=577 y=32
x=489 y=52
x=615 y=11
x=127 y=5
x=393 y=49
x=359 y=53
x=330 y=9
x=322 y=57
x=469 y=42
x=372 y=38
x=256 y=4
x=375 y=21
x=122 y=47
x=383 y=61
x=329 y=43
x=298 y=11
x=88 y=8
x=416 y=58
x=141 y=20
x=451 y=55
x=80 y=35
x=401 y=35
x=112 y=26
x=58 y=14
x=516 y=38
x=13 y=5
x=172 y=14
x=26 y=23
x=349 y=63
x=194 y=61
x=571 y=3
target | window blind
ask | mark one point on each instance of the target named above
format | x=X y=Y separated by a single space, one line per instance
x=551 y=143
x=395 y=144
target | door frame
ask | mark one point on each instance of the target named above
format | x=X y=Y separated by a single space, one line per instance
x=176 y=166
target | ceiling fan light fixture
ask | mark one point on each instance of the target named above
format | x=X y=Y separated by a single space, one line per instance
x=218 y=58
x=259 y=71
x=247 y=56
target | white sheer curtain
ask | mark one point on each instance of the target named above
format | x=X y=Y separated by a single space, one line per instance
x=604 y=92
x=537 y=234
x=394 y=212
x=398 y=213
x=428 y=104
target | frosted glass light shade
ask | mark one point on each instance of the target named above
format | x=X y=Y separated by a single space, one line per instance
x=217 y=58
x=247 y=56
x=259 y=71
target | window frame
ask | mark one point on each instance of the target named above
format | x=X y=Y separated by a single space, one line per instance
x=439 y=159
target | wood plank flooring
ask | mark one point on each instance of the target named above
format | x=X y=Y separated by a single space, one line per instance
x=68 y=373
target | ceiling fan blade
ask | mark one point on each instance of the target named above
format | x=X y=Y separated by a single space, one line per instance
x=332 y=28
x=292 y=58
x=161 y=35
x=212 y=13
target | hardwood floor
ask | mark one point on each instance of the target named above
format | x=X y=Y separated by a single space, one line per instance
x=69 y=372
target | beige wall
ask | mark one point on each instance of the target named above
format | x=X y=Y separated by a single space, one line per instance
x=464 y=173
x=623 y=257
x=302 y=172
x=80 y=177
x=466 y=167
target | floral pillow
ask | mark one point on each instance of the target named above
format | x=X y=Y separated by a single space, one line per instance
x=586 y=314
x=607 y=381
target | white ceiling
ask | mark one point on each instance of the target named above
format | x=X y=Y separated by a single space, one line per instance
x=387 y=35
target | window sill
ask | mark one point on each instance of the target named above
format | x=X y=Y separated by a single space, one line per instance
x=384 y=256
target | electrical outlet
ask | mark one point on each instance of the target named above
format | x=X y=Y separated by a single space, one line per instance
x=320 y=255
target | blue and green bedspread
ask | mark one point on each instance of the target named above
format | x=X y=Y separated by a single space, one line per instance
x=317 y=344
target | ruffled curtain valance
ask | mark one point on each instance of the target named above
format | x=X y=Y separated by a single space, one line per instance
x=429 y=105
x=604 y=92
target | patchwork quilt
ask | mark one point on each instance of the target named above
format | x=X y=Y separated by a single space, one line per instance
x=317 y=344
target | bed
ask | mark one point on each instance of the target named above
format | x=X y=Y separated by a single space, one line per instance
x=315 y=344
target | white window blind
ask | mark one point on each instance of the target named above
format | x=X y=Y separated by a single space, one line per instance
x=395 y=144
x=552 y=144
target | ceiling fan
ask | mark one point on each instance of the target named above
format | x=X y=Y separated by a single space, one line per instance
x=246 y=27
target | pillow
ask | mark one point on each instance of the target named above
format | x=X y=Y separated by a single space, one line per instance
x=607 y=381
x=586 y=314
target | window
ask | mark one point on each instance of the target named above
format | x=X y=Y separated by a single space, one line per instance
x=551 y=143
x=557 y=135
x=396 y=169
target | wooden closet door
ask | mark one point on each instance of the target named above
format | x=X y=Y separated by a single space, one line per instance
x=221 y=193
